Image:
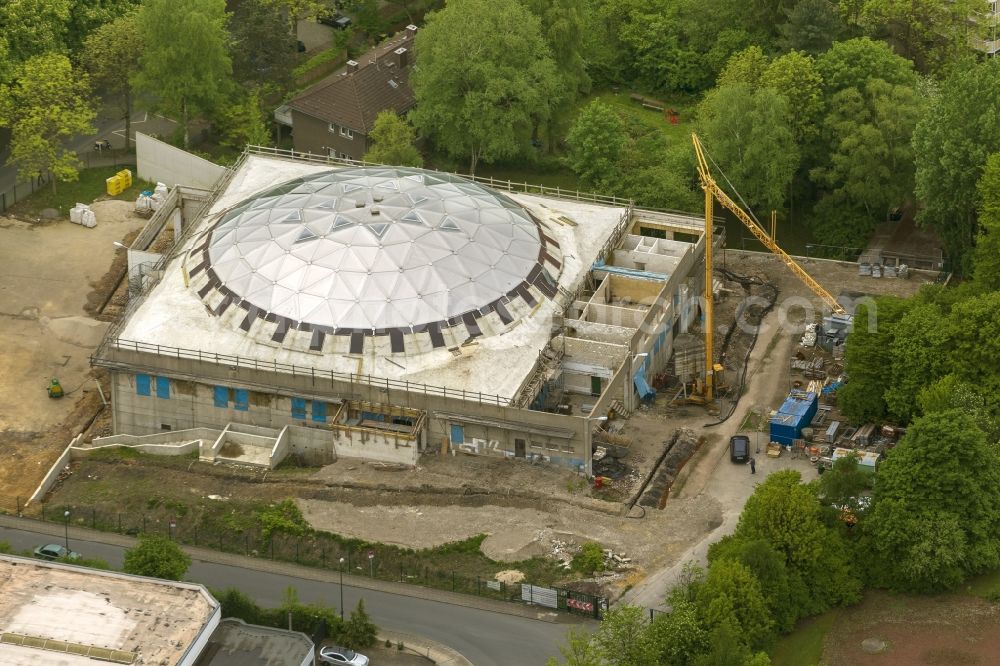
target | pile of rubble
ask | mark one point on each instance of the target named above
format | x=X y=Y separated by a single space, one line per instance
x=564 y=551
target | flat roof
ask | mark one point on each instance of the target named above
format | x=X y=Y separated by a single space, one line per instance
x=172 y=314
x=155 y=620
x=236 y=643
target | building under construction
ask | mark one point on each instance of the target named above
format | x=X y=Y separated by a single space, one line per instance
x=325 y=308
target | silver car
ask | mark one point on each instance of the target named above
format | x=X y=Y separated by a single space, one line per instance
x=331 y=654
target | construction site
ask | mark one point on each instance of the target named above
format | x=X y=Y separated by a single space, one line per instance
x=584 y=391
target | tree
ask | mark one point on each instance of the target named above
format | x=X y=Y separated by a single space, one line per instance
x=959 y=130
x=561 y=25
x=986 y=255
x=393 y=142
x=45 y=106
x=359 y=631
x=596 y=142
x=262 y=46
x=749 y=135
x=34 y=27
x=484 y=104
x=936 y=517
x=786 y=514
x=677 y=637
x=918 y=340
x=852 y=64
x=185 y=76
x=867 y=364
x=622 y=638
x=111 y=56
x=744 y=67
x=812 y=26
x=242 y=123
x=795 y=75
x=87 y=16
x=929 y=32
x=157 y=557
x=732 y=595
x=579 y=650
x=843 y=484
x=728 y=650
x=768 y=567
x=869 y=168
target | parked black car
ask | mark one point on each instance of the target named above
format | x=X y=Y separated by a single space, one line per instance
x=739 y=448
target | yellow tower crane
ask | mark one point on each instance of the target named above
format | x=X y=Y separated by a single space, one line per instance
x=715 y=193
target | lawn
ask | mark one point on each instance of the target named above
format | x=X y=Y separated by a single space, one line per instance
x=86 y=189
x=804 y=646
x=651 y=118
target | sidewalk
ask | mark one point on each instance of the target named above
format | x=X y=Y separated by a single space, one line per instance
x=440 y=654
x=299 y=571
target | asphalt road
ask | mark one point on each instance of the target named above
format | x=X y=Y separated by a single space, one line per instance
x=485 y=638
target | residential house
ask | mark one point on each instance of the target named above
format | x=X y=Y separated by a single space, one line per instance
x=335 y=116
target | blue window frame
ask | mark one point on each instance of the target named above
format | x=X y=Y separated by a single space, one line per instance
x=319 y=411
x=241 y=400
x=163 y=388
x=143 y=385
x=299 y=409
x=372 y=416
x=221 y=396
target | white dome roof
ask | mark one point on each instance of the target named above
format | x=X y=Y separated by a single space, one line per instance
x=371 y=249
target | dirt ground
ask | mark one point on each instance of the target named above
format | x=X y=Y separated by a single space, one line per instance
x=53 y=277
x=944 y=630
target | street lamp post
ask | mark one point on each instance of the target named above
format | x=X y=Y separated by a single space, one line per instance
x=66 y=524
x=341 y=588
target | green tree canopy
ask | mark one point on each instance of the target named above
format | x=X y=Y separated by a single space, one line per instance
x=931 y=33
x=869 y=167
x=86 y=16
x=867 y=361
x=188 y=76
x=157 y=557
x=596 y=142
x=786 y=514
x=393 y=141
x=986 y=256
x=262 y=47
x=359 y=631
x=34 y=27
x=744 y=67
x=811 y=26
x=45 y=106
x=959 y=130
x=111 y=56
x=749 y=135
x=242 y=123
x=852 y=64
x=936 y=517
x=731 y=595
x=795 y=75
x=485 y=104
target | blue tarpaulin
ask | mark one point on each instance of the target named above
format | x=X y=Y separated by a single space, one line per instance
x=794 y=414
x=645 y=390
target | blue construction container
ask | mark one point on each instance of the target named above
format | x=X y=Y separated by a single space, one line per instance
x=795 y=413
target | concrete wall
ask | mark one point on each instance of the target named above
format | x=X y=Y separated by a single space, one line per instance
x=371 y=444
x=160 y=162
x=61 y=463
x=178 y=449
x=191 y=403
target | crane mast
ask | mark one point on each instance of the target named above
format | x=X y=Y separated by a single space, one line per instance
x=715 y=193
